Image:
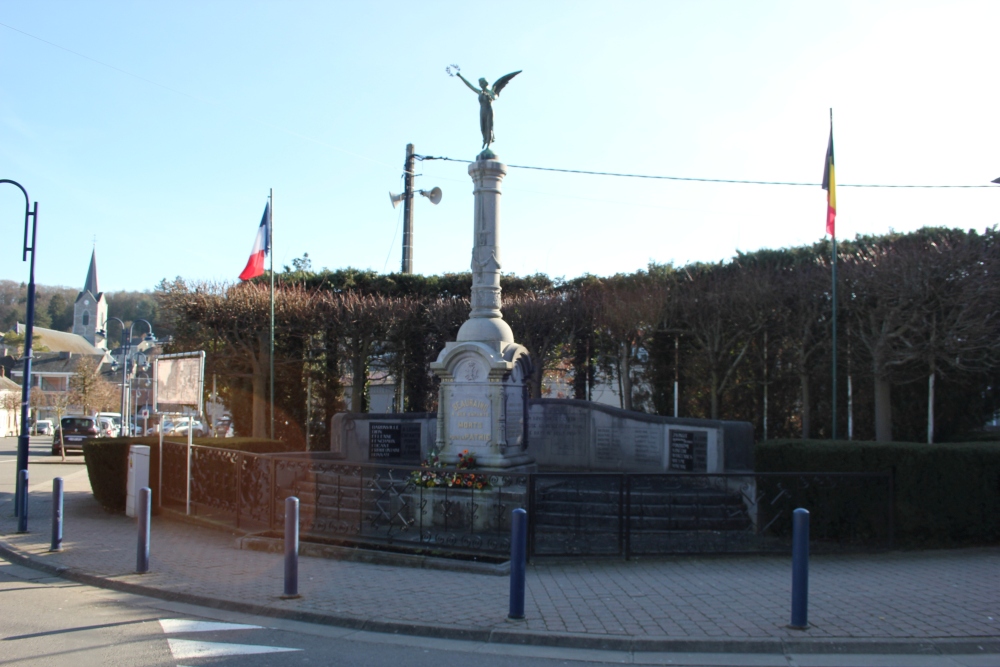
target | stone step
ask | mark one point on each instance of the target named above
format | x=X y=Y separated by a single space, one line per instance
x=596 y=523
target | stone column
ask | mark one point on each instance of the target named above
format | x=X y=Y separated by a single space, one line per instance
x=485 y=322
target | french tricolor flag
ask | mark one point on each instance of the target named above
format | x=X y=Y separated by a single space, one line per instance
x=261 y=246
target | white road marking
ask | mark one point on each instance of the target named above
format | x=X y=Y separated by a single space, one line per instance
x=183 y=649
x=175 y=625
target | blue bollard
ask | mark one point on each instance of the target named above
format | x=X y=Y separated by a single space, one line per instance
x=22 y=501
x=143 y=513
x=518 y=562
x=57 y=514
x=291 y=548
x=800 y=570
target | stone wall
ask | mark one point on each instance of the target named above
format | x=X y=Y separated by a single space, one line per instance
x=582 y=435
x=566 y=434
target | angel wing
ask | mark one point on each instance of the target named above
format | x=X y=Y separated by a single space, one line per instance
x=503 y=81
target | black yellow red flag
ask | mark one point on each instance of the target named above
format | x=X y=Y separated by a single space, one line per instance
x=830 y=185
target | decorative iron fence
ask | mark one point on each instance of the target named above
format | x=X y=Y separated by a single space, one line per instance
x=397 y=506
x=570 y=514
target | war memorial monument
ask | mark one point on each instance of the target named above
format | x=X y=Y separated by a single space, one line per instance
x=483 y=404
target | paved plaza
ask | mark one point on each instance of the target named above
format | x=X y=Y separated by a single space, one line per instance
x=920 y=601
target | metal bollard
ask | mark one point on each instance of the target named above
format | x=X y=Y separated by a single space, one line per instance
x=291 y=548
x=143 y=513
x=800 y=570
x=518 y=562
x=57 y=514
x=22 y=501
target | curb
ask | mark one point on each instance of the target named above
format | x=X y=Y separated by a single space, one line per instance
x=501 y=635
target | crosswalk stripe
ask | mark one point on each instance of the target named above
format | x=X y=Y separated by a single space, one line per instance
x=183 y=649
x=174 y=625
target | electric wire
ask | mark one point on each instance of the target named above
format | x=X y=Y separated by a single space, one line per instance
x=700 y=180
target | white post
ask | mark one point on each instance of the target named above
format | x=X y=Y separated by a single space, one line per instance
x=187 y=495
x=159 y=495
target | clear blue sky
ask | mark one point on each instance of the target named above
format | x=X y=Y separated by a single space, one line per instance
x=165 y=149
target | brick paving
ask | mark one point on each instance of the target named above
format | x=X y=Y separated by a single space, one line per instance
x=928 y=595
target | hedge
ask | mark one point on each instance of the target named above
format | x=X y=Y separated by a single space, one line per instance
x=944 y=494
x=107 y=462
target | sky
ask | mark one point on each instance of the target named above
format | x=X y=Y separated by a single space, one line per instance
x=157 y=130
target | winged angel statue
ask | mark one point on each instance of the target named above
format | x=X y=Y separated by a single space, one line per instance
x=486 y=97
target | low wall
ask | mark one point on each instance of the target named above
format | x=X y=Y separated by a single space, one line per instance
x=582 y=435
x=565 y=434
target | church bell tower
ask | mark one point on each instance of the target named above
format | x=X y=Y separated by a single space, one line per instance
x=90 y=312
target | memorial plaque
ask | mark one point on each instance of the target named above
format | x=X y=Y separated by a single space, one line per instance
x=410 y=441
x=608 y=446
x=647 y=443
x=688 y=450
x=385 y=440
x=388 y=440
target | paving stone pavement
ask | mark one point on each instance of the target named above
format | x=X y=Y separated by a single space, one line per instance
x=923 y=596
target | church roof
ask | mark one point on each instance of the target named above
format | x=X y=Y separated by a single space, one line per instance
x=91 y=284
x=59 y=341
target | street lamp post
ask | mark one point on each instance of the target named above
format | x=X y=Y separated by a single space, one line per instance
x=126 y=346
x=23 y=439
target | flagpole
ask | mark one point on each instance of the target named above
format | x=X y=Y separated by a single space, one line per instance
x=834 y=298
x=270 y=245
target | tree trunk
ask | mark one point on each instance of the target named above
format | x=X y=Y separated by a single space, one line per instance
x=537 y=374
x=625 y=352
x=883 y=410
x=715 y=395
x=930 y=407
x=806 y=405
x=359 y=378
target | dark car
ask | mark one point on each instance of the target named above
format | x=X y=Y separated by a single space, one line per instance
x=74 y=431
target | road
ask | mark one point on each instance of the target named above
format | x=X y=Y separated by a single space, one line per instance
x=42 y=467
x=50 y=621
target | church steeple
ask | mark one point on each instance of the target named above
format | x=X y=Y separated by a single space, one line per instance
x=91 y=284
x=90 y=312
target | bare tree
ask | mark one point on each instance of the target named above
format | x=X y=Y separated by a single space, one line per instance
x=545 y=324
x=721 y=309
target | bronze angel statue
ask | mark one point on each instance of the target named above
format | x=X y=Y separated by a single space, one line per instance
x=486 y=97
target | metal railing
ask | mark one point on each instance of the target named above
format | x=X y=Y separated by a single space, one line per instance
x=570 y=514
x=631 y=514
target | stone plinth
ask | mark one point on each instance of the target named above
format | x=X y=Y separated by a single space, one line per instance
x=483 y=395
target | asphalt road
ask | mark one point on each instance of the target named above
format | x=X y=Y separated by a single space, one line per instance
x=50 y=621
x=42 y=467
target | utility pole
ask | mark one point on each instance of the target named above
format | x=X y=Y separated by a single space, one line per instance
x=408 y=211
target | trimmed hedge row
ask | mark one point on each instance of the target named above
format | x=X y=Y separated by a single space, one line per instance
x=945 y=494
x=107 y=462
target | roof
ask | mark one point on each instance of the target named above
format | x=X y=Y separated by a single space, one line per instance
x=57 y=362
x=6 y=384
x=60 y=341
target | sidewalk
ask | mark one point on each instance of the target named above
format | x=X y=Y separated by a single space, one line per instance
x=902 y=602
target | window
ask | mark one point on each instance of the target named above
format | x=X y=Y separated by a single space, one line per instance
x=86 y=318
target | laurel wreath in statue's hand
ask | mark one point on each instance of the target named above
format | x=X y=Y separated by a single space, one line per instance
x=449 y=68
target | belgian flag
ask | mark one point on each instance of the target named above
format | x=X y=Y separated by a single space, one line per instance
x=830 y=184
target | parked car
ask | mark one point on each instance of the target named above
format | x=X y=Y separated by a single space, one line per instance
x=44 y=427
x=116 y=422
x=74 y=431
